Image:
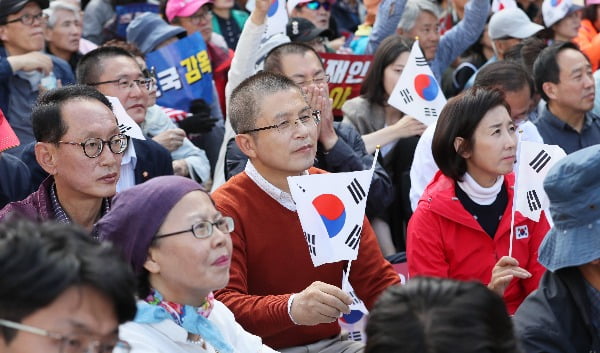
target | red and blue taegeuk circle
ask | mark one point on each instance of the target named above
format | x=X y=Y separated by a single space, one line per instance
x=426 y=87
x=332 y=212
x=273 y=8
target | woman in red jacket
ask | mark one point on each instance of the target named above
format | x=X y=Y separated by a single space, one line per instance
x=461 y=227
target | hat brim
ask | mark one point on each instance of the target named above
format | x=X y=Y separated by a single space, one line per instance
x=314 y=33
x=172 y=31
x=18 y=6
x=570 y=247
x=527 y=31
x=188 y=10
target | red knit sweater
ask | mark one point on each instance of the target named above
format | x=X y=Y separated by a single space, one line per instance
x=271 y=261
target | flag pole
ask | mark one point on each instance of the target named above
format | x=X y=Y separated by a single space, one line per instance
x=515 y=192
x=376 y=155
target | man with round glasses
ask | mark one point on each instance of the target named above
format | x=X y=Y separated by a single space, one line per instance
x=23 y=65
x=80 y=146
x=60 y=291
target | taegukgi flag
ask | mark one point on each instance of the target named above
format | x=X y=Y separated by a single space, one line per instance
x=331 y=208
x=499 y=5
x=417 y=93
x=277 y=17
x=535 y=160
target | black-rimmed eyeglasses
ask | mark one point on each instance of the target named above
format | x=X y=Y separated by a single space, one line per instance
x=204 y=229
x=93 y=146
x=125 y=84
x=286 y=126
x=73 y=344
x=28 y=19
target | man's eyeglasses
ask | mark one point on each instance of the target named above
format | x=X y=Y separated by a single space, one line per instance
x=149 y=72
x=28 y=19
x=124 y=83
x=73 y=344
x=92 y=147
x=316 y=80
x=315 y=5
x=286 y=126
x=204 y=229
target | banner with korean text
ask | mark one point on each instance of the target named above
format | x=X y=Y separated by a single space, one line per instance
x=183 y=72
x=346 y=74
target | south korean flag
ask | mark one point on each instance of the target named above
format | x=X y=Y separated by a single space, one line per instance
x=417 y=92
x=534 y=160
x=331 y=208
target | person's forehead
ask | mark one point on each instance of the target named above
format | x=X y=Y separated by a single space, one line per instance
x=294 y=63
x=88 y=116
x=64 y=14
x=569 y=60
x=119 y=66
x=293 y=104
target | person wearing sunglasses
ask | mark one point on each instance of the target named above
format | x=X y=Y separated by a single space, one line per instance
x=80 y=146
x=61 y=291
x=319 y=13
x=22 y=63
x=179 y=247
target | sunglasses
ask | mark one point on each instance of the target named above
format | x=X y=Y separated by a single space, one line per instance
x=315 y=5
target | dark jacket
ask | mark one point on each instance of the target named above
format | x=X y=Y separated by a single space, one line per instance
x=36 y=207
x=14 y=179
x=555 y=318
x=152 y=160
x=347 y=155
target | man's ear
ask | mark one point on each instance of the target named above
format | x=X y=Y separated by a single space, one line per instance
x=46 y=156
x=459 y=148
x=3 y=33
x=247 y=144
x=150 y=264
x=399 y=31
x=550 y=89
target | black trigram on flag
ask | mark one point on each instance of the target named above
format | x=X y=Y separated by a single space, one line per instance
x=540 y=161
x=421 y=61
x=430 y=112
x=310 y=240
x=533 y=201
x=406 y=96
x=356 y=191
x=355 y=336
x=354 y=237
x=355 y=299
x=124 y=128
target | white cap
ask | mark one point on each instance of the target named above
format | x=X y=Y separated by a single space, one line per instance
x=512 y=23
x=555 y=10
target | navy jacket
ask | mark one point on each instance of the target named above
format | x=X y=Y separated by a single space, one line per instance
x=556 y=317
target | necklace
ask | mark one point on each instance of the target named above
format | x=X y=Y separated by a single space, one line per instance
x=200 y=342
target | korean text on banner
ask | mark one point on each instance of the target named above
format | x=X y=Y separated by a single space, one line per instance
x=183 y=72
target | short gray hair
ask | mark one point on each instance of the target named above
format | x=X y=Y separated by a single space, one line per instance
x=246 y=99
x=412 y=10
x=56 y=6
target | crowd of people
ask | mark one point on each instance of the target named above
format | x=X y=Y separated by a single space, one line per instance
x=130 y=223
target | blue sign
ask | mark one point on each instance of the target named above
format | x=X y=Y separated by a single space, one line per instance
x=126 y=13
x=183 y=72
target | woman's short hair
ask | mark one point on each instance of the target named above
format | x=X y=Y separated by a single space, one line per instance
x=435 y=315
x=460 y=118
x=388 y=51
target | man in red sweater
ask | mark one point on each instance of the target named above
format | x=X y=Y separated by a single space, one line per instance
x=274 y=290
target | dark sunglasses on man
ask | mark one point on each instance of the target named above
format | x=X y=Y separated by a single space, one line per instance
x=315 y=5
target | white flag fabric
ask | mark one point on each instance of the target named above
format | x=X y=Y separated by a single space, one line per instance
x=499 y=5
x=357 y=303
x=126 y=124
x=417 y=92
x=277 y=16
x=535 y=160
x=331 y=208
